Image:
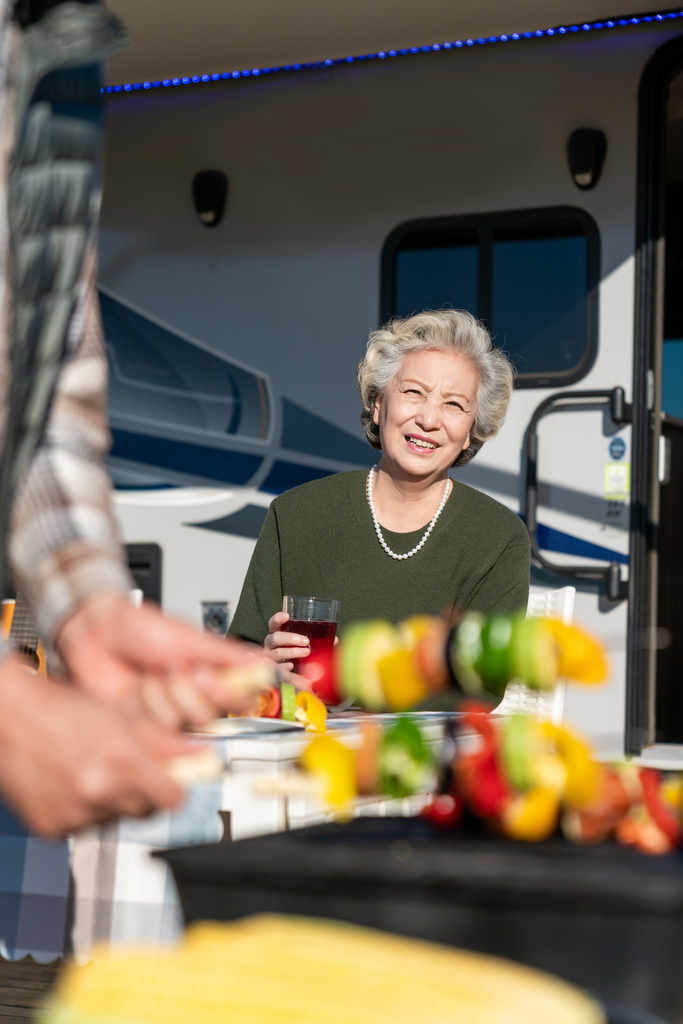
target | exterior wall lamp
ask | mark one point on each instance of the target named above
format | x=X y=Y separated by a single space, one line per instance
x=586 y=149
x=209 y=194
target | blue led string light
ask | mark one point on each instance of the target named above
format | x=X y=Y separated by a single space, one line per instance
x=320 y=65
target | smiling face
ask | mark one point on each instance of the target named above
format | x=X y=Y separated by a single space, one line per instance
x=426 y=414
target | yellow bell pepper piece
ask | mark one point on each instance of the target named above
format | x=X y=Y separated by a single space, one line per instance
x=531 y=816
x=582 y=658
x=583 y=774
x=311 y=712
x=413 y=629
x=403 y=687
x=550 y=772
x=335 y=765
x=671 y=793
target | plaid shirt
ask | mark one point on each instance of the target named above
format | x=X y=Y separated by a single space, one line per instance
x=63 y=543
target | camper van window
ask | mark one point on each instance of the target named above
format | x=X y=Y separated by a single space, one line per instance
x=531 y=276
x=672 y=357
x=424 y=275
x=160 y=377
x=538 y=302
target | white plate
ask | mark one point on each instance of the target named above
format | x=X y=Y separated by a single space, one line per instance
x=249 y=726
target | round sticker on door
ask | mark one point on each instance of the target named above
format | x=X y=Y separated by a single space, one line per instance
x=617 y=448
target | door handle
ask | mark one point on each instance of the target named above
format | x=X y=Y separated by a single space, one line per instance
x=621 y=413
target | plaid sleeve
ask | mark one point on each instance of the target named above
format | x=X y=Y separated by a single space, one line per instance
x=64 y=544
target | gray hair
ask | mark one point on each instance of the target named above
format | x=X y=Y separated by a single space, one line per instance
x=444 y=329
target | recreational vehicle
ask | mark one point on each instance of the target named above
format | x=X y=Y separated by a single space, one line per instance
x=524 y=164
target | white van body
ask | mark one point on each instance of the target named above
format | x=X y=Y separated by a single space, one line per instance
x=323 y=166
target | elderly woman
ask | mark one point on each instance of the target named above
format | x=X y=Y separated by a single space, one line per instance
x=403 y=538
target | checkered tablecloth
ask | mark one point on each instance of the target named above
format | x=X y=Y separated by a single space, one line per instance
x=122 y=894
x=60 y=898
x=35 y=885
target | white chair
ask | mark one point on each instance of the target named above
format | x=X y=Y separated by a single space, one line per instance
x=519 y=699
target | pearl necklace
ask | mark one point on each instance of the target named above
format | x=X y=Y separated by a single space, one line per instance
x=378 y=529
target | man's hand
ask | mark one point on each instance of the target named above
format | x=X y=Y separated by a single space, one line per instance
x=139 y=659
x=67 y=761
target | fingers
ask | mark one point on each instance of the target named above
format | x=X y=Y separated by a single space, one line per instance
x=140 y=638
x=191 y=701
x=132 y=785
x=158 y=701
x=203 y=691
x=70 y=761
x=218 y=692
x=128 y=775
x=107 y=677
x=163 y=744
x=301 y=682
x=162 y=643
x=277 y=621
x=279 y=639
x=280 y=655
x=286 y=647
x=153 y=785
x=145 y=662
x=192 y=647
x=184 y=700
x=176 y=702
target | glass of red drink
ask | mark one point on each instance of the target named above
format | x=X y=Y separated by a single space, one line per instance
x=316 y=619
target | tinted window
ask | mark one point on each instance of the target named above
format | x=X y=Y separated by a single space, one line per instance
x=673 y=211
x=436 y=277
x=157 y=375
x=672 y=355
x=538 y=302
x=530 y=276
x=672 y=378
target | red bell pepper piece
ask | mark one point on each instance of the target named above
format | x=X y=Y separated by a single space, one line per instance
x=481 y=780
x=664 y=819
x=270 y=702
x=444 y=810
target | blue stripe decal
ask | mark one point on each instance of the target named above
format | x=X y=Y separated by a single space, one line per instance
x=285 y=475
x=194 y=459
x=303 y=431
x=245 y=523
x=564 y=544
x=146 y=487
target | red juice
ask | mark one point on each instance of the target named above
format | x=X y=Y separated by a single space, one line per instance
x=320 y=634
x=318 y=666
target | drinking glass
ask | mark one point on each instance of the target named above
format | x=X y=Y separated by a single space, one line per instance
x=316 y=619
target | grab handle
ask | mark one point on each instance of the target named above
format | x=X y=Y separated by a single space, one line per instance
x=621 y=413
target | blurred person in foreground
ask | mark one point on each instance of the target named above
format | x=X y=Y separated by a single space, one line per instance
x=96 y=743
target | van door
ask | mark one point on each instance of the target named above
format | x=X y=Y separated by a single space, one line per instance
x=655 y=724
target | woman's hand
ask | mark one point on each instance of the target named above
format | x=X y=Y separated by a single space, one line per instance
x=285 y=648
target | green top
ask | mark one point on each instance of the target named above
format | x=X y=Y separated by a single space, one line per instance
x=318 y=541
